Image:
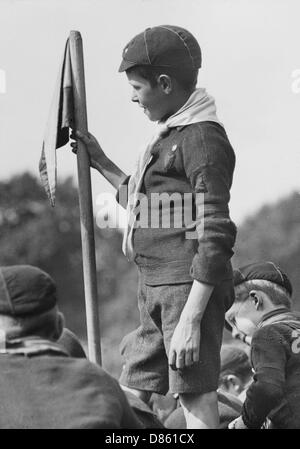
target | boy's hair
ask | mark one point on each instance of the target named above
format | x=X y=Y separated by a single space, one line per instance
x=46 y=325
x=235 y=360
x=277 y=294
x=186 y=77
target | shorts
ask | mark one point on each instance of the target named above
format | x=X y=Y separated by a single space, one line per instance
x=146 y=349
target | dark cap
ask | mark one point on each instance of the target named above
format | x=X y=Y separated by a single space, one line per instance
x=162 y=46
x=266 y=271
x=25 y=290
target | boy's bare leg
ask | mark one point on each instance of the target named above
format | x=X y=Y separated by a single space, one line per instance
x=200 y=411
x=141 y=394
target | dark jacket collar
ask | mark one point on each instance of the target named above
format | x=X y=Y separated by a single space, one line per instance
x=280 y=314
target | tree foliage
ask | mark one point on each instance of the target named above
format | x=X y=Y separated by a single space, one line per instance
x=273 y=233
x=32 y=232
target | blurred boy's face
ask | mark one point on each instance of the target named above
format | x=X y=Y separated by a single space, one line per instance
x=153 y=100
x=244 y=315
x=233 y=384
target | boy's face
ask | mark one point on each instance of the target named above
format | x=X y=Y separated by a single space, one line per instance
x=243 y=314
x=153 y=100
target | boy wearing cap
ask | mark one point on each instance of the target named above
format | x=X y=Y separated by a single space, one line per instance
x=185 y=275
x=41 y=385
x=262 y=310
x=236 y=371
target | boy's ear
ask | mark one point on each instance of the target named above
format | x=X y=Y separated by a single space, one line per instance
x=233 y=381
x=60 y=324
x=165 y=83
x=256 y=299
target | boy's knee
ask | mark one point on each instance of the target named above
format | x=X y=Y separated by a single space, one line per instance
x=192 y=400
x=200 y=411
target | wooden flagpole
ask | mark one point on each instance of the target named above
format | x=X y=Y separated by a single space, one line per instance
x=85 y=201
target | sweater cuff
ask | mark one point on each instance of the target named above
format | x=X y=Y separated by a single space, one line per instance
x=250 y=424
x=209 y=272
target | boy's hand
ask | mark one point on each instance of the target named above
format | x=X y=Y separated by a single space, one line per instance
x=96 y=154
x=98 y=158
x=237 y=423
x=185 y=343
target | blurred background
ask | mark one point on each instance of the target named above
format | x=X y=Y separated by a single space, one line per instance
x=250 y=60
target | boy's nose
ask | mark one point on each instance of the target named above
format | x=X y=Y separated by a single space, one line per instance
x=134 y=97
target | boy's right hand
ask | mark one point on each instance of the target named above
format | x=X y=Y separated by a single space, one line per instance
x=96 y=154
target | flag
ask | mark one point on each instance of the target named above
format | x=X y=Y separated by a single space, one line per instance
x=61 y=117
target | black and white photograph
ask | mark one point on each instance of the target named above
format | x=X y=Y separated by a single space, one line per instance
x=150 y=217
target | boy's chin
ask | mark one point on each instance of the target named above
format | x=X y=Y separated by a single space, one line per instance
x=246 y=326
x=150 y=116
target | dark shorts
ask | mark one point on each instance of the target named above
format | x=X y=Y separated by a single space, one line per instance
x=146 y=349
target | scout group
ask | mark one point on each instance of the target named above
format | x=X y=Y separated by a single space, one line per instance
x=177 y=371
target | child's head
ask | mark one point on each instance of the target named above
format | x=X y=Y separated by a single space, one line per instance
x=162 y=67
x=236 y=371
x=28 y=303
x=259 y=288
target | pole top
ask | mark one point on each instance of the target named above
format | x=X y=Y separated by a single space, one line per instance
x=75 y=34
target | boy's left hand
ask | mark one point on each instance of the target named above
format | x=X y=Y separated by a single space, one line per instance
x=185 y=343
x=237 y=423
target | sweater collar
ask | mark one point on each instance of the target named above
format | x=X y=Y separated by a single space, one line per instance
x=279 y=314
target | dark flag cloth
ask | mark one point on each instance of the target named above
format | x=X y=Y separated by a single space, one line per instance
x=61 y=117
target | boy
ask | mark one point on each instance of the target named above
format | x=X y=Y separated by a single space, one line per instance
x=262 y=311
x=42 y=386
x=185 y=283
x=236 y=371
